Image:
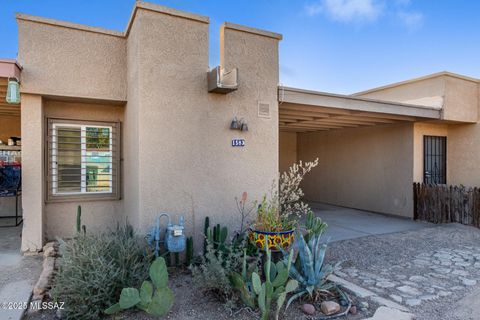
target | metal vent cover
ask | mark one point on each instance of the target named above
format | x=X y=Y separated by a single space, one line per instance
x=263 y=109
x=222 y=81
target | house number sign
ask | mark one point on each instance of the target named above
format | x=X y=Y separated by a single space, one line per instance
x=238 y=142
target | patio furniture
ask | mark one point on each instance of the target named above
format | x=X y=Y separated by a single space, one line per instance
x=10 y=187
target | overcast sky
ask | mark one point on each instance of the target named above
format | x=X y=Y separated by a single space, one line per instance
x=339 y=46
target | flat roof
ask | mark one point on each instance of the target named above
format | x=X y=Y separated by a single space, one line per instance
x=305 y=110
x=140 y=5
x=429 y=76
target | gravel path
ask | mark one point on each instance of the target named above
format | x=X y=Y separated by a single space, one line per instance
x=427 y=270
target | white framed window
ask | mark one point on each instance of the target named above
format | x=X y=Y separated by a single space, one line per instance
x=82 y=159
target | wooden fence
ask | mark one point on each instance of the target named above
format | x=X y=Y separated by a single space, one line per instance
x=444 y=204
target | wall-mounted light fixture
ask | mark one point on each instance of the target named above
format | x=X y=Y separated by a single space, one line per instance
x=13 y=91
x=238 y=124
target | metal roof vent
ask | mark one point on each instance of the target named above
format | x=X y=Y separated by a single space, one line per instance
x=263 y=109
x=222 y=81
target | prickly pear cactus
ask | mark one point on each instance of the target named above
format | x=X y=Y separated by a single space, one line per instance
x=154 y=297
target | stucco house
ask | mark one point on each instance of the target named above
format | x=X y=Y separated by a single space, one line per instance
x=130 y=124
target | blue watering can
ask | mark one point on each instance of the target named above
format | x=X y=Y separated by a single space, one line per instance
x=175 y=240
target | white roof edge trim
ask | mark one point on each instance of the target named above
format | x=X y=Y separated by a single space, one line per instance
x=295 y=96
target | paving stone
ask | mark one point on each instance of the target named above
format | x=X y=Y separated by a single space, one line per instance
x=385 y=284
x=463 y=264
x=418 y=279
x=443 y=255
x=413 y=302
x=409 y=290
x=460 y=273
x=428 y=297
x=383 y=313
x=421 y=262
x=410 y=283
x=444 y=293
x=429 y=290
x=457 y=288
x=469 y=282
x=442 y=270
x=396 y=298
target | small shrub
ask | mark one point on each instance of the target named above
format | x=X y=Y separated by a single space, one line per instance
x=94 y=268
x=212 y=274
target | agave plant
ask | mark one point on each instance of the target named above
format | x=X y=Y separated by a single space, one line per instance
x=308 y=269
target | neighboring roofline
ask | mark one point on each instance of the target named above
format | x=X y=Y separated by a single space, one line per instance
x=68 y=25
x=12 y=61
x=148 y=7
x=138 y=5
x=348 y=102
x=265 y=33
x=10 y=68
x=430 y=76
x=165 y=10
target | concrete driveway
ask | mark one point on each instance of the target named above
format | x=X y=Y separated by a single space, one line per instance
x=346 y=223
x=18 y=274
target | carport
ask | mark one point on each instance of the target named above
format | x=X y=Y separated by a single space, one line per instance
x=309 y=111
x=10 y=149
x=365 y=148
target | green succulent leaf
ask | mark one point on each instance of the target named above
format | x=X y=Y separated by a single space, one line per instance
x=256 y=283
x=281 y=278
x=161 y=303
x=294 y=297
x=236 y=280
x=277 y=292
x=158 y=273
x=146 y=293
x=280 y=302
x=113 y=309
x=291 y=286
x=129 y=298
x=261 y=299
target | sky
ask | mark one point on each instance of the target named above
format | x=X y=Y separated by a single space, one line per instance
x=339 y=46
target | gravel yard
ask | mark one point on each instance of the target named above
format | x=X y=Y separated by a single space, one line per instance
x=433 y=271
x=428 y=270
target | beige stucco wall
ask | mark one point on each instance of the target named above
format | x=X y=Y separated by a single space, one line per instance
x=60 y=218
x=457 y=96
x=429 y=92
x=364 y=168
x=177 y=148
x=287 y=150
x=186 y=163
x=9 y=127
x=64 y=61
x=461 y=100
x=422 y=129
x=463 y=149
x=32 y=172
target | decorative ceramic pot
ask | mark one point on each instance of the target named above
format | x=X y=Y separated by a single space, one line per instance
x=276 y=240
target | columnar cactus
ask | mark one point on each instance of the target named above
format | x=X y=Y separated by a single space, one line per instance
x=189 y=252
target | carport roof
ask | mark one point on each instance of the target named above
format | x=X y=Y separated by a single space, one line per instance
x=9 y=68
x=305 y=111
